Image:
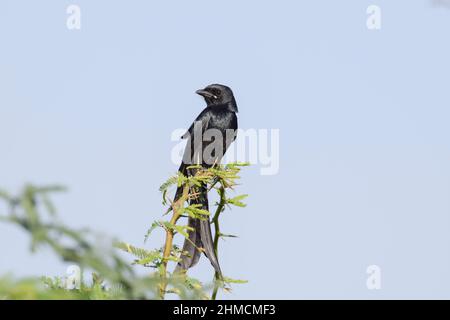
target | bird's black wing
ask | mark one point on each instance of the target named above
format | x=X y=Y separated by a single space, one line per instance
x=200 y=236
x=203 y=119
x=193 y=152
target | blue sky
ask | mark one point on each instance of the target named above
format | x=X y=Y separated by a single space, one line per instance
x=363 y=117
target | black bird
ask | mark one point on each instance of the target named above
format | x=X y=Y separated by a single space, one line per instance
x=208 y=139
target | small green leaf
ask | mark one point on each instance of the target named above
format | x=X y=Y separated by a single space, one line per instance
x=223 y=235
x=169 y=182
x=154 y=225
x=195 y=212
x=229 y=280
x=236 y=201
x=4 y=195
x=48 y=204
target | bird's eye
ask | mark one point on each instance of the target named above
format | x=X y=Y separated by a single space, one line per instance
x=217 y=92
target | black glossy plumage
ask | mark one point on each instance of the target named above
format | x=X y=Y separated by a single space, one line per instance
x=218 y=116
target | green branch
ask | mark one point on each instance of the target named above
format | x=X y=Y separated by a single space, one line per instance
x=220 y=208
x=33 y=212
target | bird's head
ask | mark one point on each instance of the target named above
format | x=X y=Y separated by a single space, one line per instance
x=218 y=94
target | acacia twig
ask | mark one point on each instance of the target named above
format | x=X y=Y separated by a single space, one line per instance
x=176 y=207
x=215 y=221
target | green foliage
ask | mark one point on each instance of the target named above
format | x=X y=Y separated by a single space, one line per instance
x=32 y=211
x=221 y=178
x=32 y=289
x=112 y=276
x=237 y=201
x=54 y=289
x=143 y=257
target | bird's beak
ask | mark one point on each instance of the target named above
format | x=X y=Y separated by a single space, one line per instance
x=205 y=94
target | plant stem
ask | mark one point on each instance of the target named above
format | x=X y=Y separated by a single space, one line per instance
x=219 y=209
x=169 y=240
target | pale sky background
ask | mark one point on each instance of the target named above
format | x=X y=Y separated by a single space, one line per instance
x=364 y=132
